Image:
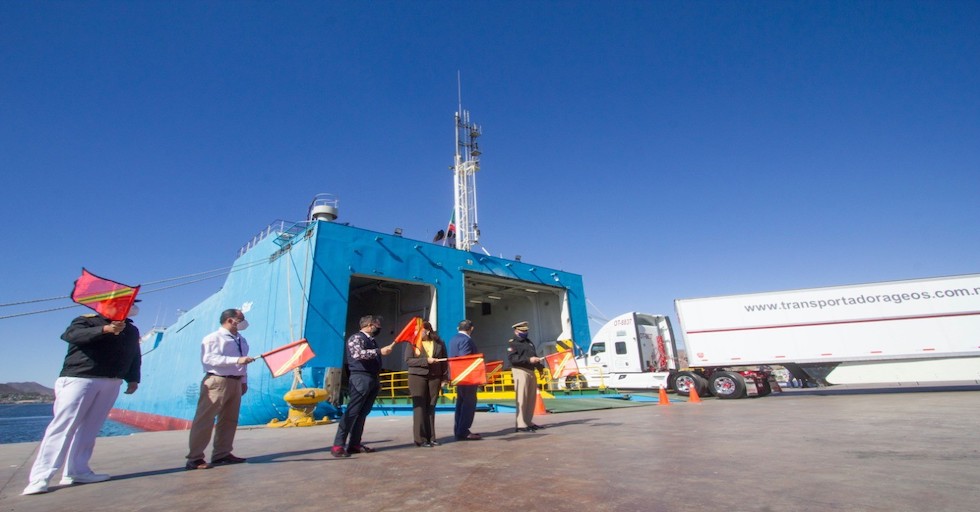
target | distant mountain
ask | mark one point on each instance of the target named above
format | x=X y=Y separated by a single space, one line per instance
x=30 y=387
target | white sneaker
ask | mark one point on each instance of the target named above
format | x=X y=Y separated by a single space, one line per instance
x=89 y=478
x=36 y=487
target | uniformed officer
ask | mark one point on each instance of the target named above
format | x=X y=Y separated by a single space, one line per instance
x=523 y=361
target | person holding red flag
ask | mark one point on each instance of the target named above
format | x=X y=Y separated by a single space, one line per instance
x=224 y=356
x=102 y=353
x=427 y=370
x=466 y=395
x=364 y=362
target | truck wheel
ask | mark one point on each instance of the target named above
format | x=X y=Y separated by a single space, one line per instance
x=727 y=385
x=686 y=380
x=702 y=384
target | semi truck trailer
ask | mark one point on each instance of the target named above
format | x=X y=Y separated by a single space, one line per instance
x=919 y=330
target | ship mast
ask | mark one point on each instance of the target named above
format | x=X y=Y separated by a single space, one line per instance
x=467 y=163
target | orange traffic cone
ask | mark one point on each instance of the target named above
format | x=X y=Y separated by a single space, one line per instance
x=663 y=397
x=539 y=406
x=693 y=398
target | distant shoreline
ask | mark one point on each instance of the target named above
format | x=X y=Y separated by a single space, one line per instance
x=25 y=393
x=26 y=399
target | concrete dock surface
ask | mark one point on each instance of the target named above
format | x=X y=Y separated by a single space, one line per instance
x=806 y=450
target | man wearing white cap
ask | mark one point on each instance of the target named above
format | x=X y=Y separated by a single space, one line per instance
x=523 y=361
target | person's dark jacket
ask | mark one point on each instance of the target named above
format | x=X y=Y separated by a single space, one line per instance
x=93 y=353
x=519 y=353
x=419 y=365
x=461 y=344
x=367 y=347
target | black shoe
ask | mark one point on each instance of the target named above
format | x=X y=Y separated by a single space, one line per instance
x=536 y=427
x=360 y=448
x=525 y=430
x=434 y=443
x=227 y=459
x=424 y=445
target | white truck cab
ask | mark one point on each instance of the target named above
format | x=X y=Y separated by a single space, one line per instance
x=632 y=351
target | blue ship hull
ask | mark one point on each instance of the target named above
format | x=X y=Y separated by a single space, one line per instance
x=315 y=279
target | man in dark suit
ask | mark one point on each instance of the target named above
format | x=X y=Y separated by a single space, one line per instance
x=462 y=345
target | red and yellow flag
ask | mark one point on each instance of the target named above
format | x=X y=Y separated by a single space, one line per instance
x=467 y=370
x=412 y=333
x=283 y=359
x=108 y=298
x=494 y=370
x=561 y=364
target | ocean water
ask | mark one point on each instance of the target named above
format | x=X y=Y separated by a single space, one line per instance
x=21 y=423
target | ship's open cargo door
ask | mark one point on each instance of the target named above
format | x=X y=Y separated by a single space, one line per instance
x=397 y=302
x=494 y=304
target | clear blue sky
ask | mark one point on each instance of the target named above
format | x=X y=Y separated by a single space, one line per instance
x=661 y=149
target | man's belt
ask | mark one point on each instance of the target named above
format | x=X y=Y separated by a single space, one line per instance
x=236 y=377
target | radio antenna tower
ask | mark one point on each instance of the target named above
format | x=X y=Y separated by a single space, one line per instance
x=464 y=173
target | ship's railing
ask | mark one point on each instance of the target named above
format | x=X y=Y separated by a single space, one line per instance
x=395 y=384
x=286 y=236
x=277 y=227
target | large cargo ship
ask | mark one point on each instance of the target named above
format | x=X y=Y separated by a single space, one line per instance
x=315 y=278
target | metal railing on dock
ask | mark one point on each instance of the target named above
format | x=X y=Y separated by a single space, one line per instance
x=500 y=385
